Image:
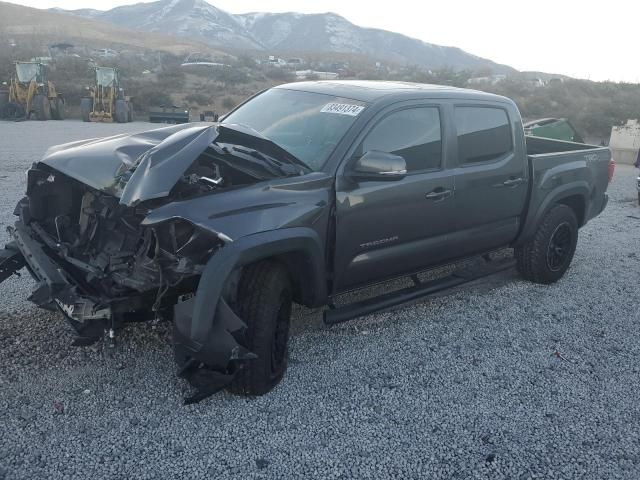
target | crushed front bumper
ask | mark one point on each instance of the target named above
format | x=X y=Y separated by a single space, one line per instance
x=206 y=330
x=54 y=287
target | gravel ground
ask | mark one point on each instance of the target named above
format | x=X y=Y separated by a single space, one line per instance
x=503 y=379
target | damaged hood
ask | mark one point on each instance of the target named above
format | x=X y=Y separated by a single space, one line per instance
x=147 y=165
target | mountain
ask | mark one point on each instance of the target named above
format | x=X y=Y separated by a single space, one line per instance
x=280 y=32
x=195 y=19
x=18 y=22
x=331 y=32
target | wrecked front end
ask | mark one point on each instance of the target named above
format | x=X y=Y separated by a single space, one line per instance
x=97 y=258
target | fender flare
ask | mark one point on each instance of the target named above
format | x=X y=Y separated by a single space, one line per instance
x=532 y=221
x=204 y=325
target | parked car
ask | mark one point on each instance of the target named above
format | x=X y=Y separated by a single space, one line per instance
x=303 y=192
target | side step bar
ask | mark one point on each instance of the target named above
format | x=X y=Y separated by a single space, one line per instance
x=11 y=260
x=419 y=290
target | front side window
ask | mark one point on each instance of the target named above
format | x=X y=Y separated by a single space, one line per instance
x=484 y=134
x=308 y=125
x=105 y=76
x=413 y=133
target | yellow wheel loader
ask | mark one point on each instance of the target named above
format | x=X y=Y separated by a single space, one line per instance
x=31 y=95
x=106 y=101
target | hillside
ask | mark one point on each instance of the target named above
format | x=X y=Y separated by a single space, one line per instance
x=328 y=32
x=18 y=22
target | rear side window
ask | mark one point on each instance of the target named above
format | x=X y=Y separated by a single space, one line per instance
x=484 y=134
x=413 y=133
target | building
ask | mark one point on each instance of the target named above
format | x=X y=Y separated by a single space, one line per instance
x=316 y=75
x=625 y=142
x=491 y=79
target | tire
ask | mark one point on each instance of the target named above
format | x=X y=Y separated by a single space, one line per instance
x=86 y=105
x=547 y=256
x=42 y=107
x=4 y=99
x=13 y=111
x=264 y=303
x=121 y=111
x=59 y=111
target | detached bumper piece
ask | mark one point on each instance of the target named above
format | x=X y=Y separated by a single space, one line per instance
x=11 y=260
x=209 y=366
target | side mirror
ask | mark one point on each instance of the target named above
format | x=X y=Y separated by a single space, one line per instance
x=376 y=165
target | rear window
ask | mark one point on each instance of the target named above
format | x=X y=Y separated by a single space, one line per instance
x=484 y=134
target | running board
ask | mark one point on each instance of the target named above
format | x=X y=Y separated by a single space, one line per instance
x=419 y=290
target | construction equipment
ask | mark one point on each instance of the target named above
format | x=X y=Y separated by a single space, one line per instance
x=208 y=116
x=31 y=95
x=106 y=101
x=171 y=114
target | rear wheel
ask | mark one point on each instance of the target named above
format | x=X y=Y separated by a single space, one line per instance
x=547 y=256
x=264 y=303
x=85 y=109
x=42 y=107
x=121 y=111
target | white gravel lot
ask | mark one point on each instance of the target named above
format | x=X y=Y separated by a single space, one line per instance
x=499 y=380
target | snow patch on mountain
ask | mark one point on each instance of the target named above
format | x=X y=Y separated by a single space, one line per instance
x=279 y=32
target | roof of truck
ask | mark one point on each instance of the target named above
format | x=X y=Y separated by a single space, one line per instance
x=372 y=90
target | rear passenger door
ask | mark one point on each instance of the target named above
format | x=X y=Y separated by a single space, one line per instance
x=386 y=228
x=490 y=178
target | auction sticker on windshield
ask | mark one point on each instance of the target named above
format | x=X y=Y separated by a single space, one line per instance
x=343 y=109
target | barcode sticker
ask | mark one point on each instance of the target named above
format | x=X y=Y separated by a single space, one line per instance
x=343 y=109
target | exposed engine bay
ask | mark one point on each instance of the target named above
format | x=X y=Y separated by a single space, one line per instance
x=108 y=251
x=125 y=229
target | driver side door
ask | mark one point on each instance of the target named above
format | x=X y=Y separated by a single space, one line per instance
x=388 y=227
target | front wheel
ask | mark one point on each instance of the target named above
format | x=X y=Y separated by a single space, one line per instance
x=13 y=111
x=264 y=303
x=121 y=111
x=42 y=106
x=86 y=105
x=547 y=256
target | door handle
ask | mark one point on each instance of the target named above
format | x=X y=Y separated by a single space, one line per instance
x=438 y=194
x=512 y=182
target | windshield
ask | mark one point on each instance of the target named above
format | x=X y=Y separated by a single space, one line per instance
x=307 y=125
x=27 y=72
x=105 y=76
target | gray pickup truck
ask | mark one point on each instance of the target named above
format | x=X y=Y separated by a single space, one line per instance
x=303 y=192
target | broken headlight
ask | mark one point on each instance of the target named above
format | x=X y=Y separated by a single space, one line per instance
x=182 y=239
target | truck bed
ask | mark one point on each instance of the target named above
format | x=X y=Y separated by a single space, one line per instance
x=575 y=171
x=544 y=146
